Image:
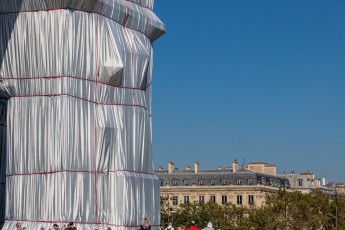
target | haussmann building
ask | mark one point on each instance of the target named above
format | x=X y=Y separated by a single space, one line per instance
x=245 y=185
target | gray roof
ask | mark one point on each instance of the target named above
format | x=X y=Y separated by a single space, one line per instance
x=218 y=177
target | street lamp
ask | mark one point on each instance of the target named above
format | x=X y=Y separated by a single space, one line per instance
x=336 y=208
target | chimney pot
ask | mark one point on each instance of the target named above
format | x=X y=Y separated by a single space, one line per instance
x=234 y=166
x=171 y=167
x=196 y=167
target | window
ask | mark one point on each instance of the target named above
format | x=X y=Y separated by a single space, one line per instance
x=175 y=200
x=161 y=183
x=250 y=199
x=224 y=199
x=223 y=182
x=175 y=183
x=201 y=182
x=239 y=182
x=239 y=199
x=186 y=183
x=201 y=199
x=300 y=183
x=213 y=182
x=250 y=182
x=213 y=199
x=263 y=180
x=186 y=199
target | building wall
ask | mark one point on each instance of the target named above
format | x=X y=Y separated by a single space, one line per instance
x=271 y=170
x=257 y=168
x=258 y=192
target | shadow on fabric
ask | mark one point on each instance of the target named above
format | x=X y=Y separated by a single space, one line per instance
x=6 y=28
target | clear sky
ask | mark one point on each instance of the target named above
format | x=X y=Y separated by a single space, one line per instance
x=253 y=81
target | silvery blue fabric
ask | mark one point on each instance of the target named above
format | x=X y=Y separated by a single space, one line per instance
x=75 y=113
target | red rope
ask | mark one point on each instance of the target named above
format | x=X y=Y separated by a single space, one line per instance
x=80 y=98
x=76 y=171
x=74 y=77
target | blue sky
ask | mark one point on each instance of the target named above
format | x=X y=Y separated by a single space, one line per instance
x=253 y=81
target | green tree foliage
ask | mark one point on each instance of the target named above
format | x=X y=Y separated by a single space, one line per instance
x=282 y=210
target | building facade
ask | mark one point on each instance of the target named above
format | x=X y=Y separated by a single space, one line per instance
x=222 y=185
x=262 y=167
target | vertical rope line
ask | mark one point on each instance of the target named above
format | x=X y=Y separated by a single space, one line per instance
x=133 y=96
x=95 y=116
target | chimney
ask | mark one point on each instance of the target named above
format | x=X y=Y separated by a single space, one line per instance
x=292 y=174
x=234 y=166
x=188 y=168
x=196 y=167
x=220 y=168
x=161 y=168
x=171 y=167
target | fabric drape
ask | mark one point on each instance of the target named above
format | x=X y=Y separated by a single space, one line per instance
x=75 y=118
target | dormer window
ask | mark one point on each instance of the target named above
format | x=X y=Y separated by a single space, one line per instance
x=213 y=182
x=175 y=183
x=239 y=182
x=263 y=180
x=186 y=183
x=223 y=182
x=201 y=182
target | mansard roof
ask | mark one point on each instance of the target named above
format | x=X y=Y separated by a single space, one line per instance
x=242 y=175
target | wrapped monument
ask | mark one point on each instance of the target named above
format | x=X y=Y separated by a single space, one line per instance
x=75 y=113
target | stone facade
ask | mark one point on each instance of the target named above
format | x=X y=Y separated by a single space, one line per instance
x=262 y=168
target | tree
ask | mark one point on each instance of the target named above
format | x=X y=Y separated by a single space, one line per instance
x=282 y=210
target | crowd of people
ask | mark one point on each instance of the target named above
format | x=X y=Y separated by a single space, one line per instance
x=191 y=227
x=69 y=226
x=145 y=225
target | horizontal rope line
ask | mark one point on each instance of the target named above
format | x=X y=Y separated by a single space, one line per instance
x=80 y=98
x=53 y=222
x=53 y=9
x=76 y=171
x=74 y=77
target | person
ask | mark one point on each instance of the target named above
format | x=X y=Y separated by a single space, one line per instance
x=209 y=226
x=55 y=227
x=192 y=226
x=19 y=226
x=145 y=224
x=70 y=226
x=170 y=227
